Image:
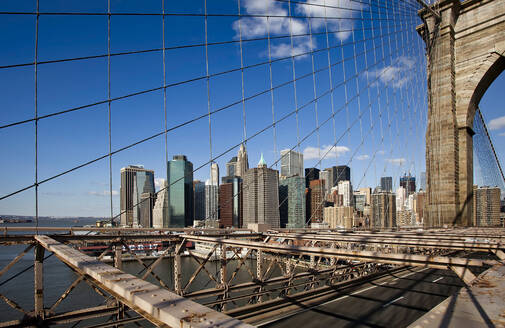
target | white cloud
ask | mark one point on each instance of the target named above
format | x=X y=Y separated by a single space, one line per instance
x=103 y=193
x=501 y=134
x=279 y=23
x=394 y=75
x=330 y=152
x=342 y=9
x=381 y=152
x=362 y=157
x=497 y=123
x=396 y=161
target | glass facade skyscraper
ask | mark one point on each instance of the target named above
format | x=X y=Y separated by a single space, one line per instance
x=180 y=192
x=387 y=184
x=292 y=202
x=135 y=181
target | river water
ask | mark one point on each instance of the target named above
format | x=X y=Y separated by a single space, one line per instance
x=57 y=277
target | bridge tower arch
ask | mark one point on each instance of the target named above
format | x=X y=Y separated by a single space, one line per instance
x=465 y=46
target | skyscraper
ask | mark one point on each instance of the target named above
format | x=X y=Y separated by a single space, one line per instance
x=214 y=174
x=230 y=202
x=326 y=176
x=292 y=202
x=261 y=196
x=422 y=182
x=486 y=206
x=345 y=189
x=242 y=161
x=401 y=196
x=231 y=167
x=342 y=173
x=147 y=201
x=409 y=183
x=199 y=199
x=135 y=180
x=291 y=163
x=387 y=184
x=316 y=204
x=368 y=192
x=211 y=201
x=212 y=194
x=383 y=210
x=180 y=192
x=161 y=207
x=311 y=174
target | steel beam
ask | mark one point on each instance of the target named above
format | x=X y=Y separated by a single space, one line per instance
x=439 y=262
x=156 y=304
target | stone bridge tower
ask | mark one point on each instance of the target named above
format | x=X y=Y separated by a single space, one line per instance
x=465 y=45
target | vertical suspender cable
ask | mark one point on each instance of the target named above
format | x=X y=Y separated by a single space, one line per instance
x=36 y=122
x=109 y=109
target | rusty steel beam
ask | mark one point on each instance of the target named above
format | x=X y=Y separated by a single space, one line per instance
x=439 y=262
x=155 y=303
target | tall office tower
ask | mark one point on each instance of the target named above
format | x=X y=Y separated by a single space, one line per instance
x=161 y=209
x=422 y=181
x=359 y=201
x=345 y=189
x=332 y=172
x=387 y=184
x=231 y=167
x=342 y=173
x=147 y=201
x=383 y=210
x=211 y=201
x=242 y=161
x=486 y=206
x=311 y=174
x=199 y=199
x=326 y=177
x=230 y=202
x=409 y=183
x=291 y=163
x=214 y=174
x=316 y=205
x=180 y=192
x=418 y=207
x=261 y=196
x=401 y=197
x=135 y=180
x=367 y=191
x=292 y=202
x=212 y=194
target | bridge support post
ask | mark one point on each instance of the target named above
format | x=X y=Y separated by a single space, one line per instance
x=222 y=275
x=178 y=267
x=447 y=177
x=118 y=256
x=259 y=271
x=38 y=281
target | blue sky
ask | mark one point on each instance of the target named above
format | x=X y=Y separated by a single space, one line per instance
x=379 y=129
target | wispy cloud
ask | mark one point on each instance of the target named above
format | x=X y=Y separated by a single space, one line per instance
x=394 y=75
x=502 y=134
x=362 y=157
x=497 y=123
x=330 y=152
x=342 y=9
x=103 y=193
x=279 y=23
x=381 y=152
x=396 y=161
